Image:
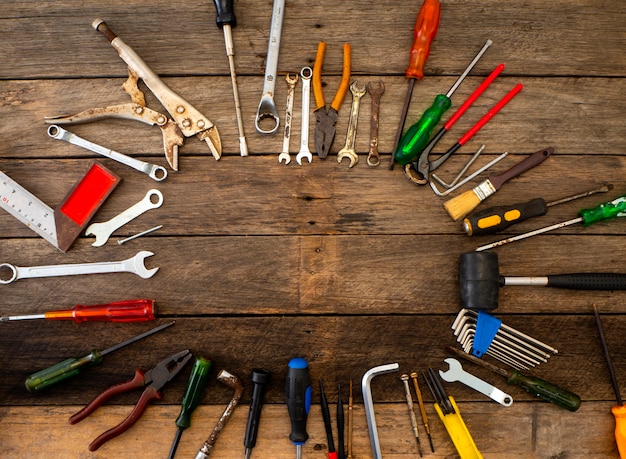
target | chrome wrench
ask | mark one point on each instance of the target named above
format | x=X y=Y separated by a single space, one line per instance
x=456 y=373
x=133 y=265
x=103 y=230
x=304 y=152
x=291 y=87
x=153 y=171
x=267 y=107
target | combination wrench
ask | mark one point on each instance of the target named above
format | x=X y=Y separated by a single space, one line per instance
x=103 y=230
x=375 y=92
x=267 y=107
x=306 y=73
x=133 y=265
x=291 y=87
x=348 y=150
x=456 y=373
x=153 y=171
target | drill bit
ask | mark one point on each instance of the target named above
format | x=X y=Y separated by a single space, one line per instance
x=409 y=402
x=420 y=402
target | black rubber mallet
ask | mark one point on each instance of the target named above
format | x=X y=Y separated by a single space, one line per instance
x=480 y=280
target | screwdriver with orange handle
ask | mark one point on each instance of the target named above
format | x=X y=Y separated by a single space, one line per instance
x=619 y=410
x=424 y=31
x=120 y=311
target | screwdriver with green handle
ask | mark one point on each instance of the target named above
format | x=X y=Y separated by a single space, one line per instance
x=191 y=399
x=533 y=385
x=71 y=367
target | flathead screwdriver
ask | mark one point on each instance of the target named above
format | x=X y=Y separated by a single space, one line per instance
x=298 y=393
x=260 y=378
x=120 y=311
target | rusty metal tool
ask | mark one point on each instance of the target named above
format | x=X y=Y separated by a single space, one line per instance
x=368 y=403
x=326 y=116
x=409 y=401
x=291 y=86
x=420 y=401
x=188 y=119
x=305 y=75
x=348 y=151
x=153 y=380
x=375 y=92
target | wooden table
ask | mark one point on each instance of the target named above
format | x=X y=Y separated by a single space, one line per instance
x=349 y=268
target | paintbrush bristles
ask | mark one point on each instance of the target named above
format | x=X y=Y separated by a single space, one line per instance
x=461 y=205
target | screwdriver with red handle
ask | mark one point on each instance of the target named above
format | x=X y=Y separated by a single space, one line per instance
x=424 y=31
x=120 y=311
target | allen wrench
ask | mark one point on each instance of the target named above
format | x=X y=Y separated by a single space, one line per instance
x=369 y=404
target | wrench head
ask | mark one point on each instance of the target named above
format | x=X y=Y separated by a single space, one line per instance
x=348 y=154
x=101 y=233
x=302 y=155
x=139 y=266
x=284 y=157
x=452 y=374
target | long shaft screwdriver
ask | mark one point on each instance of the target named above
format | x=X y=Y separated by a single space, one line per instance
x=424 y=31
x=603 y=212
x=120 y=311
x=619 y=410
x=71 y=367
x=260 y=378
x=298 y=393
x=499 y=218
x=332 y=453
x=418 y=135
x=191 y=399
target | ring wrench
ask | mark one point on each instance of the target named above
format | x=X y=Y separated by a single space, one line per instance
x=153 y=171
x=267 y=107
x=133 y=265
x=348 y=150
x=304 y=152
x=291 y=86
x=457 y=373
x=103 y=230
x=369 y=404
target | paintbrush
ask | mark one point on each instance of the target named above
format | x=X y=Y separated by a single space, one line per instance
x=461 y=205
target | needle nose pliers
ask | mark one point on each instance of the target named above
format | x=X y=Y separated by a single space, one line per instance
x=153 y=380
x=327 y=116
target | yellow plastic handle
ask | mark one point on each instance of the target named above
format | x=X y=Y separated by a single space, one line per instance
x=458 y=432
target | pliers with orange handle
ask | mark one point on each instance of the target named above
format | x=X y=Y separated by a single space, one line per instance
x=327 y=116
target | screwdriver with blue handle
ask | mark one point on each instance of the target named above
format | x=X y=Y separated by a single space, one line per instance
x=298 y=398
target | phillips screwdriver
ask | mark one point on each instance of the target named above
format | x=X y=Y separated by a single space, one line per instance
x=418 y=135
x=605 y=211
x=619 y=410
x=71 y=367
x=424 y=31
x=532 y=385
x=120 y=311
x=260 y=378
x=191 y=399
x=298 y=398
x=499 y=218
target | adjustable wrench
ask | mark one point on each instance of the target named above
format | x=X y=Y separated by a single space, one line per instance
x=153 y=171
x=348 y=150
x=133 y=265
x=456 y=373
x=267 y=107
x=291 y=86
x=102 y=231
x=304 y=152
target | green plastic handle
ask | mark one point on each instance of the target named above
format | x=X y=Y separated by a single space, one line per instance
x=417 y=136
x=605 y=211
x=545 y=390
x=61 y=371
x=193 y=393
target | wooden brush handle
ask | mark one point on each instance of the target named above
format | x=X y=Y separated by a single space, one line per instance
x=533 y=160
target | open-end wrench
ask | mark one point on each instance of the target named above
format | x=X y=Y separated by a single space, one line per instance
x=375 y=92
x=456 y=373
x=153 y=171
x=369 y=403
x=133 y=265
x=103 y=230
x=291 y=87
x=267 y=107
x=304 y=152
x=348 y=150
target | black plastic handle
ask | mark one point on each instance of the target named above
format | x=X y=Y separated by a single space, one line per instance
x=225 y=13
x=588 y=281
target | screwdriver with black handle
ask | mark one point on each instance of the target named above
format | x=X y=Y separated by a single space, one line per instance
x=533 y=385
x=260 y=378
x=298 y=393
x=191 y=399
x=71 y=367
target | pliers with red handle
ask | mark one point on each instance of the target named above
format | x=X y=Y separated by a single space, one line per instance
x=153 y=380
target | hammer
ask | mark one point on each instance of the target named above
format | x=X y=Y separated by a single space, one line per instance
x=480 y=280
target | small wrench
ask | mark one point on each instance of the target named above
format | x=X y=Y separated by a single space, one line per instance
x=103 y=230
x=456 y=373
x=153 y=171
x=133 y=265
x=291 y=83
x=375 y=93
x=304 y=152
x=348 y=150
x=267 y=107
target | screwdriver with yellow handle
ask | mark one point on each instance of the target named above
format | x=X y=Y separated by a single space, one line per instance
x=119 y=311
x=619 y=410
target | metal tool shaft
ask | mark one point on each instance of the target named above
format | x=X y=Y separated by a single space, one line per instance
x=369 y=403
